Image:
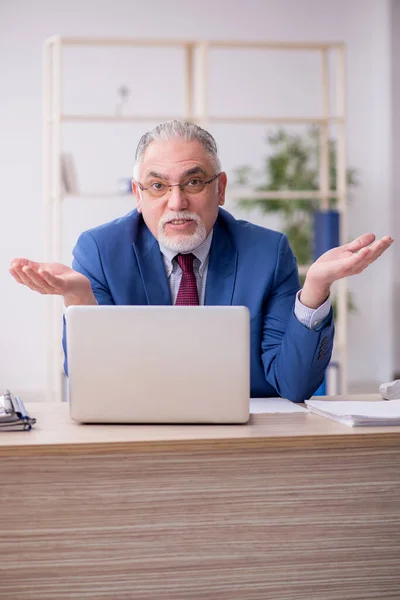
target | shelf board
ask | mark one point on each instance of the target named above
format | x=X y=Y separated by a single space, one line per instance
x=276 y=45
x=265 y=120
x=282 y=195
x=243 y=120
x=135 y=42
x=93 y=118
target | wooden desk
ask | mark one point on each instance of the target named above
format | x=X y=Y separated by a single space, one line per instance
x=288 y=507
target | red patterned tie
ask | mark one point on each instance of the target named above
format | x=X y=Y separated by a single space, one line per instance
x=187 y=294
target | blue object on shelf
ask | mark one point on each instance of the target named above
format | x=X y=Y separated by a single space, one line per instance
x=326 y=231
x=326 y=237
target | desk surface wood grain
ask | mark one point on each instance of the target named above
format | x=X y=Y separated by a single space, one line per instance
x=289 y=507
x=55 y=431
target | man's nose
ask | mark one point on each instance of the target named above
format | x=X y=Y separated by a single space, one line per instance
x=177 y=199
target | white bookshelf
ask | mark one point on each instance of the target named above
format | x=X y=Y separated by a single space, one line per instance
x=196 y=67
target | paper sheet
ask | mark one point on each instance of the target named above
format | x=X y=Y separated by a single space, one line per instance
x=274 y=405
x=381 y=412
x=381 y=408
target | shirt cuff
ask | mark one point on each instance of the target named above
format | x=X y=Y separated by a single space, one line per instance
x=311 y=317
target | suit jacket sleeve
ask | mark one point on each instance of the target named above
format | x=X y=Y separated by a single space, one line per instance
x=88 y=262
x=294 y=357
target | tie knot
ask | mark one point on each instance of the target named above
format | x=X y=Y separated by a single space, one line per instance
x=185 y=261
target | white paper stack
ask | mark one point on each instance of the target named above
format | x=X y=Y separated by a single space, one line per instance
x=357 y=413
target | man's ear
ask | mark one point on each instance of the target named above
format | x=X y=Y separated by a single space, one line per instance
x=135 y=190
x=222 y=181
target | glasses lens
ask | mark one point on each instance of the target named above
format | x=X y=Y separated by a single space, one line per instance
x=156 y=189
x=194 y=186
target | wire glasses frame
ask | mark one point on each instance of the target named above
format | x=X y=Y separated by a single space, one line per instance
x=184 y=187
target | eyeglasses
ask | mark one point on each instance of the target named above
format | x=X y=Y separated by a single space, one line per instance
x=195 y=185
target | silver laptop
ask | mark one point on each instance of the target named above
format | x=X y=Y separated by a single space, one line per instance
x=158 y=364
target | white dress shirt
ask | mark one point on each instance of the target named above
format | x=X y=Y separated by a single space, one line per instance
x=309 y=317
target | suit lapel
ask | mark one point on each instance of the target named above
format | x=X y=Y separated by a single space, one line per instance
x=151 y=266
x=222 y=268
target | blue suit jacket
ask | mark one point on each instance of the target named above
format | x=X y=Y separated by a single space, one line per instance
x=248 y=266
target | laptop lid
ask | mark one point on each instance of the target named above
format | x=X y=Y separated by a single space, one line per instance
x=158 y=364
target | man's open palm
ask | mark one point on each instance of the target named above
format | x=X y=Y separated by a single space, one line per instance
x=349 y=259
x=51 y=278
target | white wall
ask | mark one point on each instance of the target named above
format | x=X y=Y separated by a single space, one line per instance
x=395 y=23
x=364 y=25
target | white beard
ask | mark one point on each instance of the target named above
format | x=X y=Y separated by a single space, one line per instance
x=181 y=242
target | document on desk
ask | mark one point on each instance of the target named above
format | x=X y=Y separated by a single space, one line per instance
x=273 y=405
x=356 y=413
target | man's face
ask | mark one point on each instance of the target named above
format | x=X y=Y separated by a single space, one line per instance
x=180 y=220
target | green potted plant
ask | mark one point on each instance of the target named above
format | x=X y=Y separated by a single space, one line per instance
x=293 y=164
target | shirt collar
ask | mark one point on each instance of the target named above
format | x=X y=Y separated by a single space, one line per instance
x=201 y=253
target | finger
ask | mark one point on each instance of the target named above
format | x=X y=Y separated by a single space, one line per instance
x=15 y=274
x=18 y=262
x=360 y=268
x=358 y=260
x=26 y=281
x=361 y=242
x=37 y=280
x=388 y=239
x=23 y=262
x=378 y=248
x=54 y=282
x=385 y=241
x=362 y=259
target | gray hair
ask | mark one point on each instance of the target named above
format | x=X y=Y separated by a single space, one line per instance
x=170 y=130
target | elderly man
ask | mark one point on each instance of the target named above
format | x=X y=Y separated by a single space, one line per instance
x=179 y=247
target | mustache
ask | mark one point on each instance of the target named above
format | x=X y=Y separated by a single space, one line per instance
x=180 y=215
